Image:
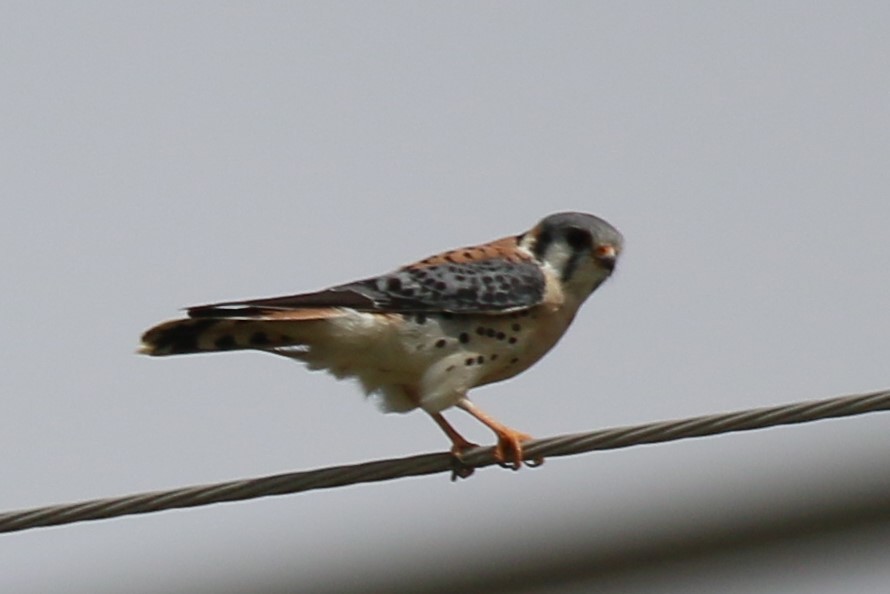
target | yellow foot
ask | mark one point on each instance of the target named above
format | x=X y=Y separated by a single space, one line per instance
x=458 y=468
x=459 y=445
x=508 y=451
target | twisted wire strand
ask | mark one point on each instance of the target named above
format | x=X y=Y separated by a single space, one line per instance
x=381 y=470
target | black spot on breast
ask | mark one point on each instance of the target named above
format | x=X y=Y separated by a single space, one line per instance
x=480 y=331
x=512 y=340
x=514 y=360
x=490 y=333
x=493 y=356
x=500 y=336
x=440 y=343
x=226 y=341
x=464 y=337
x=440 y=285
x=480 y=359
x=259 y=339
x=420 y=318
x=469 y=361
x=516 y=327
x=394 y=284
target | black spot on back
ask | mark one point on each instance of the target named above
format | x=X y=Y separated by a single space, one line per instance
x=224 y=342
x=259 y=339
x=453 y=286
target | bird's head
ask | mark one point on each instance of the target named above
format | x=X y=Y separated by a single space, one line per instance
x=581 y=249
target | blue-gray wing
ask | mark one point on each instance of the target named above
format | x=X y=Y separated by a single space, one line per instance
x=439 y=284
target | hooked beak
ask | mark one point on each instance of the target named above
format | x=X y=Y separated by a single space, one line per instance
x=606 y=255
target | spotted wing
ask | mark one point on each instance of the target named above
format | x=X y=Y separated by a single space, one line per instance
x=483 y=279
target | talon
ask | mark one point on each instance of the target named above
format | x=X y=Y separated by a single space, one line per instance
x=460 y=470
x=459 y=445
x=508 y=451
x=534 y=462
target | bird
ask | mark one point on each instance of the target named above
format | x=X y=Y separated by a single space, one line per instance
x=422 y=336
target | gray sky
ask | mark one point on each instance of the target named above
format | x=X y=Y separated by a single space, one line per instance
x=166 y=154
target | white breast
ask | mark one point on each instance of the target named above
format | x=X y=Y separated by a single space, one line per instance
x=431 y=361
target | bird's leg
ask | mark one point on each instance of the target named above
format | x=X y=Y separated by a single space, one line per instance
x=459 y=445
x=509 y=448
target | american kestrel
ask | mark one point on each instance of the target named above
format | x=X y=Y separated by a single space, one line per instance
x=424 y=335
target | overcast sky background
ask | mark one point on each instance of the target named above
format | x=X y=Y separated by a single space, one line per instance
x=157 y=155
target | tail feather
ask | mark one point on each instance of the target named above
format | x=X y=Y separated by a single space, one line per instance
x=200 y=335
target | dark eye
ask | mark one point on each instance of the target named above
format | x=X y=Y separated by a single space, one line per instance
x=578 y=239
